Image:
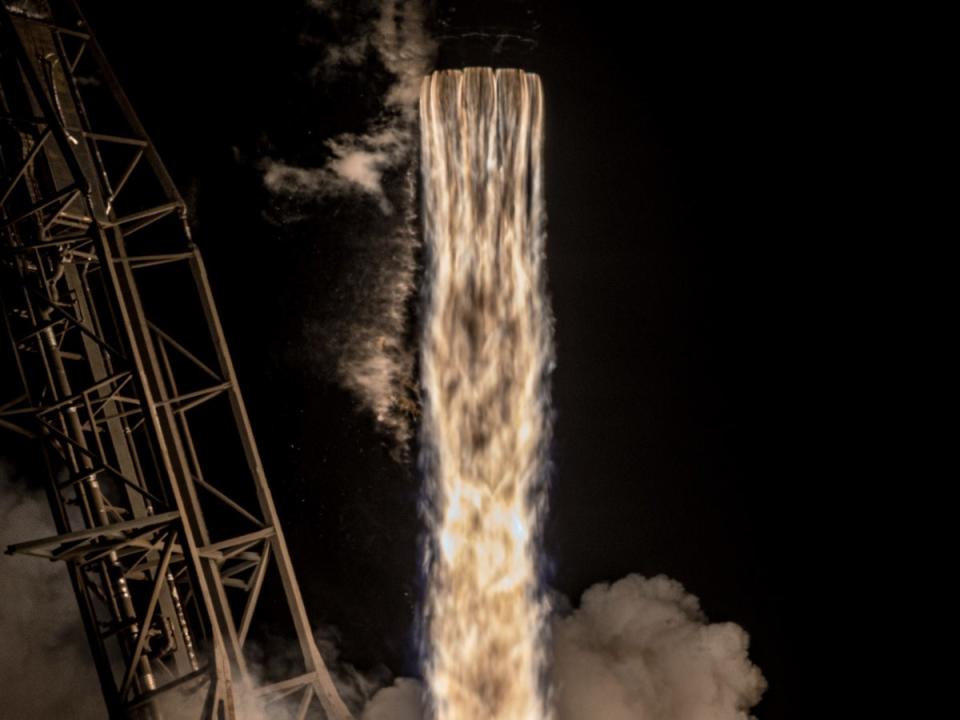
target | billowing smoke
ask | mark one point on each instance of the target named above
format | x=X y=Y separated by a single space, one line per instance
x=400 y=701
x=374 y=357
x=642 y=649
x=639 y=649
x=45 y=662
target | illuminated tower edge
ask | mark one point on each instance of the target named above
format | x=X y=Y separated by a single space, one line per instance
x=170 y=541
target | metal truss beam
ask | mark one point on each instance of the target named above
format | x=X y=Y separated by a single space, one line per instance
x=169 y=553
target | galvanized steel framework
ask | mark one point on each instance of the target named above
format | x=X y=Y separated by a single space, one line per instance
x=169 y=551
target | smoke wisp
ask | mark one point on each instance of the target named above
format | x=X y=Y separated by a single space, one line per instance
x=372 y=351
x=45 y=666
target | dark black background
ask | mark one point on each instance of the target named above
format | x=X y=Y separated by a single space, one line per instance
x=693 y=190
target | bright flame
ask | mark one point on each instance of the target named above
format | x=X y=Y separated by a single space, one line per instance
x=486 y=354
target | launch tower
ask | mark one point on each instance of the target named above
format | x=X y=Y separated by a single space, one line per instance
x=171 y=543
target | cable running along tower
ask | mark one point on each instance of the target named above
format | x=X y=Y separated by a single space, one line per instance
x=163 y=514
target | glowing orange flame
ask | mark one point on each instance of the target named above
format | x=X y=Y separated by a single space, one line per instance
x=486 y=352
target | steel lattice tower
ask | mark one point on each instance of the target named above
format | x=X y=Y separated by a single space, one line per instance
x=170 y=547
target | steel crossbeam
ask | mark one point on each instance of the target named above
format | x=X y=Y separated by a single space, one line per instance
x=169 y=552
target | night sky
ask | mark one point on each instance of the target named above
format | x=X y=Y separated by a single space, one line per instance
x=685 y=274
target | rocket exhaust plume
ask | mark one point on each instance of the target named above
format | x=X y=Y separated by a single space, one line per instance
x=487 y=353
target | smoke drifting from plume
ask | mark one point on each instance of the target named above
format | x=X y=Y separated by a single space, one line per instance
x=639 y=649
x=356 y=165
x=44 y=658
x=400 y=701
x=374 y=357
x=642 y=649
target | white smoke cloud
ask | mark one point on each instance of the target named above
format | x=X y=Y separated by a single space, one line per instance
x=374 y=358
x=360 y=167
x=357 y=161
x=400 y=701
x=639 y=649
x=356 y=165
x=407 y=51
x=46 y=670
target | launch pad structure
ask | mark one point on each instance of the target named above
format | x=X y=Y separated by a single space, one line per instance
x=171 y=543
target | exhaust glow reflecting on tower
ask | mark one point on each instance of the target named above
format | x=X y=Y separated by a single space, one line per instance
x=487 y=352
